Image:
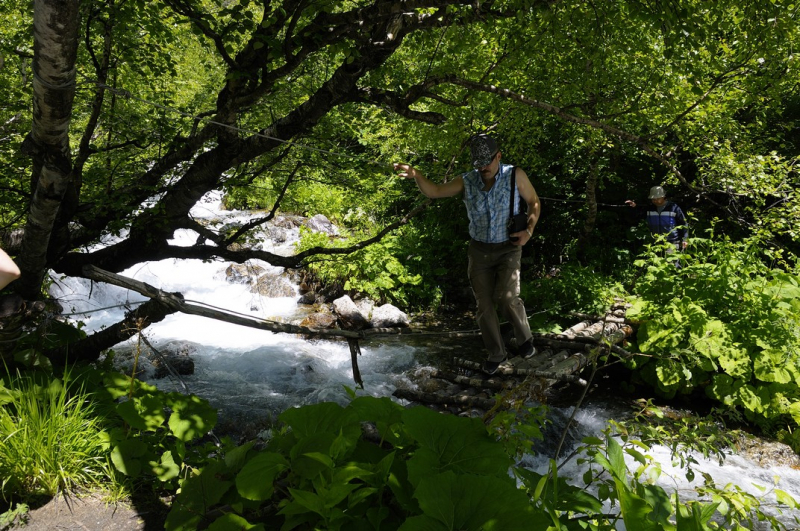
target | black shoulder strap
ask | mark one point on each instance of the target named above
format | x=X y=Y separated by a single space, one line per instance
x=513 y=180
x=523 y=207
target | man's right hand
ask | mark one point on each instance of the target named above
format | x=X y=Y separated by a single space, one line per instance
x=630 y=203
x=428 y=188
x=405 y=170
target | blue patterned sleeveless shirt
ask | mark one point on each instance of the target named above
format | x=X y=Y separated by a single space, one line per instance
x=489 y=211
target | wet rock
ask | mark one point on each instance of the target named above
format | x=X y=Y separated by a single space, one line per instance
x=329 y=293
x=278 y=235
x=388 y=316
x=319 y=321
x=452 y=389
x=308 y=297
x=286 y=222
x=274 y=286
x=176 y=355
x=432 y=385
x=349 y=314
x=181 y=364
x=294 y=276
x=242 y=273
x=767 y=453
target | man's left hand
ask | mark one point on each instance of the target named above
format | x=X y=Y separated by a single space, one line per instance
x=522 y=237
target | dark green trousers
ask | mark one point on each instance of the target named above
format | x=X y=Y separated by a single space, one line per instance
x=494 y=277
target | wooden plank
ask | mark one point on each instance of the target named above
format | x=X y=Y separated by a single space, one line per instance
x=480 y=383
x=506 y=370
x=433 y=398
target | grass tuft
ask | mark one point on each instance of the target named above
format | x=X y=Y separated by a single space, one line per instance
x=50 y=439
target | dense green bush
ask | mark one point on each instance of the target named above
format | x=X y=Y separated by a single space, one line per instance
x=95 y=429
x=571 y=288
x=725 y=322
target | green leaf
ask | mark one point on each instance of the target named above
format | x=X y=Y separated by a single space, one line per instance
x=231 y=522
x=669 y=373
x=321 y=458
x=199 y=492
x=772 y=365
x=236 y=458
x=749 y=398
x=166 y=468
x=144 y=413
x=472 y=502
x=635 y=510
x=256 y=479
x=784 y=498
x=318 y=418
x=191 y=418
x=384 y=412
x=126 y=456
x=309 y=501
x=735 y=362
x=452 y=443
x=616 y=460
x=127 y=410
x=658 y=500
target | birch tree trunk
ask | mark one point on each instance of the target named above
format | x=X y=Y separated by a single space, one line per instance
x=55 y=37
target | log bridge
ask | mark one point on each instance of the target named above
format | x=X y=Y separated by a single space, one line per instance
x=560 y=359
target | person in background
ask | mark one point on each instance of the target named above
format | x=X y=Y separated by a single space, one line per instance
x=9 y=272
x=665 y=217
x=495 y=247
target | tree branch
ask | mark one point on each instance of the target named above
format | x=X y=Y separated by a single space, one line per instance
x=556 y=111
x=260 y=221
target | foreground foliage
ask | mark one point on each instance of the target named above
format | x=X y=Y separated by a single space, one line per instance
x=435 y=472
x=413 y=469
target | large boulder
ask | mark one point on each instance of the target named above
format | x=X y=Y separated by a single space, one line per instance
x=287 y=222
x=181 y=364
x=242 y=273
x=365 y=306
x=274 y=286
x=388 y=316
x=349 y=314
x=320 y=223
x=176 y=355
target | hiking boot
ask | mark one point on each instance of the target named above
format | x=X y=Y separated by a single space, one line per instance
x=526 y=350
x=490 y=367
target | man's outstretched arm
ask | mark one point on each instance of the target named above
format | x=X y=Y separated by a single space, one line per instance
x=428 y=187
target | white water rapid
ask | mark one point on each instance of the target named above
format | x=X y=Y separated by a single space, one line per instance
x=252 y=375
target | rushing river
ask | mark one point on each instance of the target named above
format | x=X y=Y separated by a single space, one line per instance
x=252 y=375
